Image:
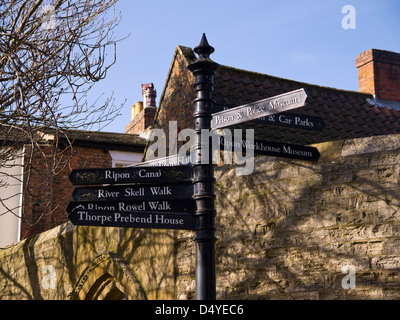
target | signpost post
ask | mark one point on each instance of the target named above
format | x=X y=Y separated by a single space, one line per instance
x=203 y=70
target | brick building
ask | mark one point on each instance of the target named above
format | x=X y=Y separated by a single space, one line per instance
x=42 y=206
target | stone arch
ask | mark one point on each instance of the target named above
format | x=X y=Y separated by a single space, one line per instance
x=108 y=277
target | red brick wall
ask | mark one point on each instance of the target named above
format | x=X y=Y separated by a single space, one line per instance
x=379 y=73
x=48 y=195
x=142 y=121
x=176 y=103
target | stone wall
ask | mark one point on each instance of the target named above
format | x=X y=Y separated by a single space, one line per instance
x=92 y=263
x=287 y=230
x=284 y=232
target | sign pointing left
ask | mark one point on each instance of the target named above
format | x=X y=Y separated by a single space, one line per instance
x=131 y=175
x=145 y=219
x=183 y=206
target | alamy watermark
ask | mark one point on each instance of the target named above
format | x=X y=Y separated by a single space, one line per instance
x=50 y=278
x=234 y=146
x=349 y=280
x=349 y=20
x=49 y=17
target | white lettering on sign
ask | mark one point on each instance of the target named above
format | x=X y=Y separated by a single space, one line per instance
x=132 y=219
x=93 y=206
x=115 y=176
x=275 y=105
x=131 y=207
x=224 y=119
x=254 y=110
x=305 y=123
x=262 y=108
x=144 y=174
x=289 y=150
x=163 y=220
x=107 y=194
x=160 y=206
x=130 y=192
x=160 y=191
x=86 y=216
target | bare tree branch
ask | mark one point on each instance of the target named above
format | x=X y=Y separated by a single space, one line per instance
x=52 y=49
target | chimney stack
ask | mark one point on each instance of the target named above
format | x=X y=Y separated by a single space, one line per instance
x=143 y=113
x=379 y=74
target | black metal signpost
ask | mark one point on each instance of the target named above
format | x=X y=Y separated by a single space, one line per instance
x=177 y=192
x=203 y=70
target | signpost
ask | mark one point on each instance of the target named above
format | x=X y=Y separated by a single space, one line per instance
x=203 y=70
x=177 y=192
x=262 y=108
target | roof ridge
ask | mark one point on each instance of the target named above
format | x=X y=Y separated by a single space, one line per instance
x=188 y=53
x=294 y=81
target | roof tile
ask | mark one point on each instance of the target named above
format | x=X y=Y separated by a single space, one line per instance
x=346 y=114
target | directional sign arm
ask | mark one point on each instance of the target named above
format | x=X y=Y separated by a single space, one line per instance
x=187 y=205
x=275 y=149
x=160 y=174
x=134 y=192
x=153 y=220
x=280 y=103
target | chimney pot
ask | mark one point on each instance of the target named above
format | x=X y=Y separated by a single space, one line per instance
x=139 y=107
x=149 y=95
x=133 y=112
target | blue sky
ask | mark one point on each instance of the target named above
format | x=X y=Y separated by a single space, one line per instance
x=301 y=40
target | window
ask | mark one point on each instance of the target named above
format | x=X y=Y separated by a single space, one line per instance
x=123 y=158
x=11 y=200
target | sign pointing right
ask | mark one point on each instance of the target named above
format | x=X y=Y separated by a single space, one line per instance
x=275 y=149
x=266 y=107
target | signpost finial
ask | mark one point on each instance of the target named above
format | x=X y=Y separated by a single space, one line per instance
x=204 y=49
